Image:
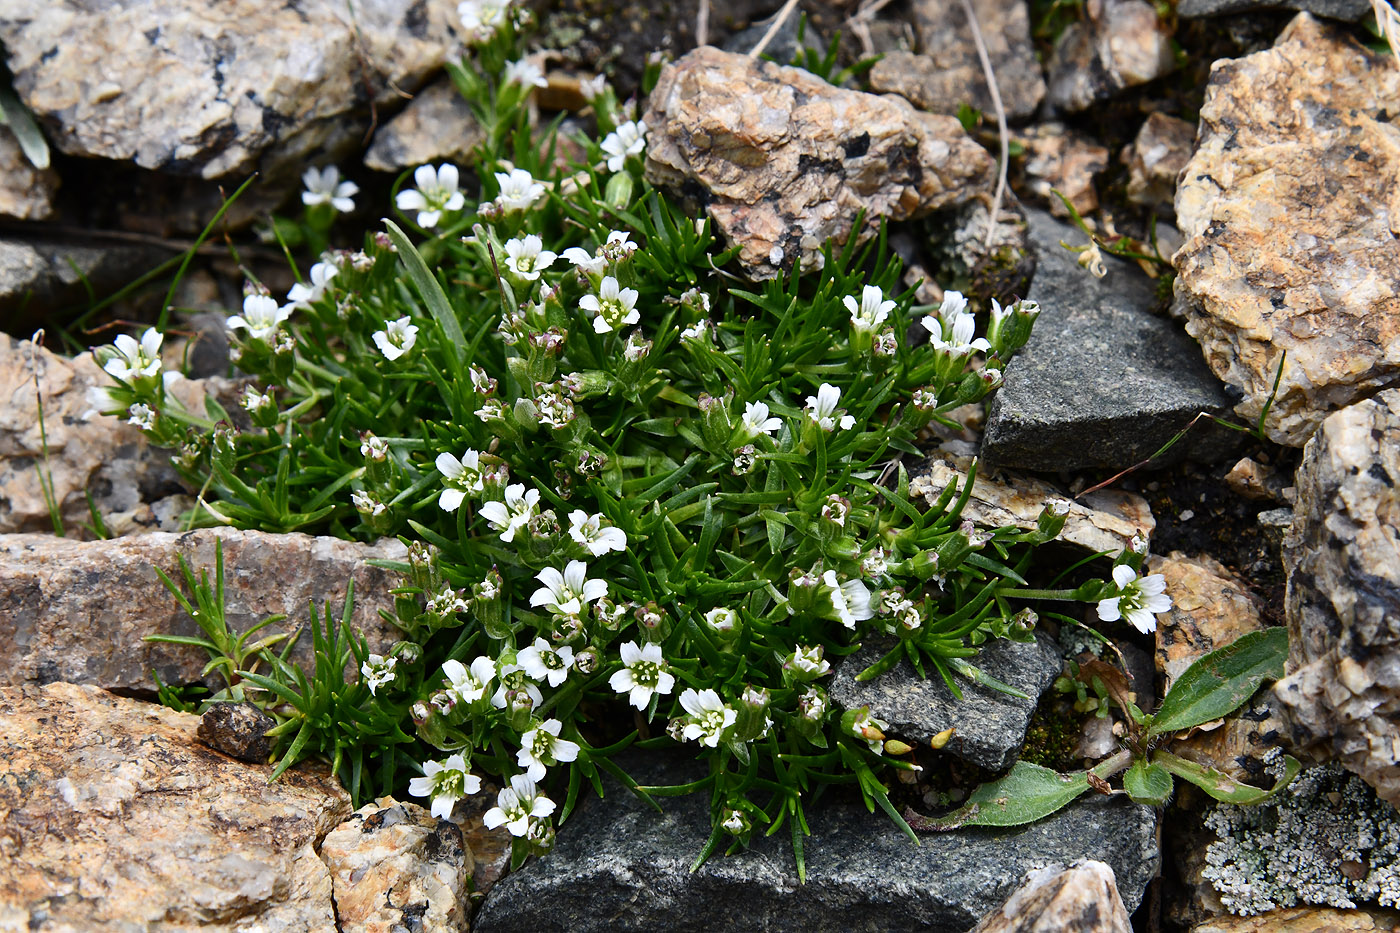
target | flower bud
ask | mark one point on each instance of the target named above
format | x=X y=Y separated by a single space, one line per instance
x=752 y=721
x=654 y=621
x=519 y=707
x=745 y=459
x=566 y=629
x=586 y=661
x=676 y=730
x=609 y=614
x=716 y=426
x=802 y=590
x=735 y=822
x=540 y=836
x=1051 y=520
x=896 y=747
x=619 y=191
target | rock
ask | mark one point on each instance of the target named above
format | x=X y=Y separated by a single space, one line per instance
x=1342 y=560
x=947 y=73
x=1080 y=899
x=1155 y=159
x=782 y=161
x=394 y=867
x=1291 y=218
x=618 y=866
x=116 y=818
x=1106 y=520
x=784 y=47
x=999 y=268
x=1276 y=524
x=490 y=848
x=1211 y=608
x=79 y=610
x=436 y=126
x=1254 y=480
x=1103 y=383
x=1306 y=920
x=191 y=89
x=26 y=193
x=239 y=730
x=1349 y=10
x=1120 y=44
x=1061 y=160
x=1241 y=745
x=990 y=725
x=39 y=277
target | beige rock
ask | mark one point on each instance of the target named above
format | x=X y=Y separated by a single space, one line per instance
x=437 y=125
x=1061 y=160
x=1119 y=45
x=1306 y=920
x=1254 y=480
x=1292 y=216
x=394 y=866
x=26 y=193
x=490 y=848
x=1106 y=520
x=113 y=817
x=786 y=160
x=1155 y=159
x=1237 y=745
x=1082 y=898
x=78 y=610
x=198 y=89
x=1342 y=558
x=1211 y=607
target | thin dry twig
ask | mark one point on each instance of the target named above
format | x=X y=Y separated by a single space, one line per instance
x=702 y=24
x=1388 y=22
x=1002 y=132
x=777 y=24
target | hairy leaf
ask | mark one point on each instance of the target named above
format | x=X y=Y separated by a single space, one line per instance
x=1220 y=682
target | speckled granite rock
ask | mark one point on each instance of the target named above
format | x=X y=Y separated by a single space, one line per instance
x=1211 y=607
x=1306 y=920
x=437 y=125
x=78 y=610
x=1342 y=557
x=115 y=818
x=1292 y=219
x=1082 y=898
x=1155 y=159
x=26 y=193
x=781 y=160
x=1120 y=44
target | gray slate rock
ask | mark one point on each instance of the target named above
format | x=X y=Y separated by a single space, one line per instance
x=1103 y=382
x=991 y=725
x=619 y=866
x=1348 y=10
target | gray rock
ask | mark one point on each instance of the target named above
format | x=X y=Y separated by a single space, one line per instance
x=1155 y=159
x=437 y=125
x=783 y=48
x=1082 y=898
x=38 y=277
x=619 y=866
x=990 y=725
x=1349 y=10
x=1120 y=44
x=239 y=730
x=1103 y=382
x=26 y=193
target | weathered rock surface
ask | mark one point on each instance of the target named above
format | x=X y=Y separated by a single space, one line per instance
x=1155 y=159
x=618 y=866
x=782 y=161
x=1211 y=607
x=1106 y=520
x=946 y=73
x=1349 y=10
x=116 y=818
x=1080 y=899
x=38 y=276
x=26 y=193
x=239 y=730
x=1058 y=159
x=1292 y=221
x=1103 y=382
x=1342 y=558
x=194 y=89
x=1253 y=479
x=990 y=725
x=1306 y=920
x=78 y=610
x=394 y=867
x=437 y=125
x=1119 y=45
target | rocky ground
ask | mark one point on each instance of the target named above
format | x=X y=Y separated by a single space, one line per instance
x=1248 y=145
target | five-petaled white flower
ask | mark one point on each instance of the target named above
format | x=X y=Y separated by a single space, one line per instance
x=807 y=663
x=397 y=338
x=710 y=718
x=567 y=593
x=822 y=409
x=1138 y=600
x=592 y=88
x=588 y=530
x=517 y=806
x=519 y=190
x=136 y=360
x=612 y=307
x=378 y=671
x=301 y=295
x=515 y=513
x=142 y=416
x=527 y=258
x=849 y=601
x=627 y=140
x=951 y=329
x=514 y=678
x=756 y=421
x=541 y=747
x=468 y=684
x=261 y=316
x=461 y=475
x=644 y=673
x=872 y=310
x=583 y=259
x=324 y=186
x=437 y=193
x=541 y=661
x=482 y=15
x=446 y=782
x=526 y=73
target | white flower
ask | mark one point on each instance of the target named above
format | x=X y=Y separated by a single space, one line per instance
x=756 y=421
x=436 y=194
x=872 y=730
x=592 y=88
x=822 y=408
x=397 y=338
x=540 y=661
x=643 y=673
x=1138 y=600
x=374 y=448
x=136 y=360
x=515 y=513
x=513 y=677
x=952 y=328
x=872 y=310
x=627 y=140
x=519 y=191
x=567 y=593
x=325 y=187
x=722 y=619
x=700 y=331
x=619 y=244
x=526 y=73
x=142 y=416
x=482 y=15
x=588 y=531
x=527 y=258
x=302 y=295
x=461 y=475
x=446 y=782
x=368 y=505
x=850 y=601
x=469 y=684
x=808 y=662
x=541 y=747
x=261 y=316
x=583 y=259
x=612 y=307
x=378 y=671
x=517 y=806
x=709 y=717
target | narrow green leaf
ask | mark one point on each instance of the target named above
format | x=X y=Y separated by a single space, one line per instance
x=1148 y=783
x=1218 y=683
x=431 y=290
x=1027 y=794
x=1219 y=784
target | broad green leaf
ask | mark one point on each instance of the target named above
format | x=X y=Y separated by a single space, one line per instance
x=1027 y=794
x=1219 y=784
x=1218 y=683
x=1148 y=783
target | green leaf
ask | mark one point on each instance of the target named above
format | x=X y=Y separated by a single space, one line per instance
x=1220 y=682
x=21 y=123
x=1148 y=783
x=431 y=290
x=1219 y=784
x=1027 y=794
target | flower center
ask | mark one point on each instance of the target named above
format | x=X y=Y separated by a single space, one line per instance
x=646 y=673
